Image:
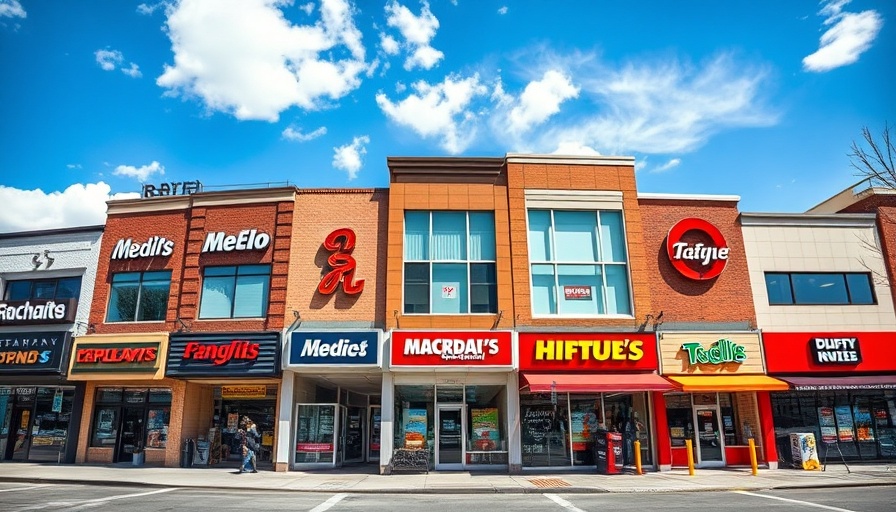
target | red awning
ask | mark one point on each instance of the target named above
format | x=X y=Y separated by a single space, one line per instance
x=850 y=382
x=596 y=382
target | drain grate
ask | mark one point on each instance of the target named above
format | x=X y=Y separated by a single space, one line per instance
x=549 y=482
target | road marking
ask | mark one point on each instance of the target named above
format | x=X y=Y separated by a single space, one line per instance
x=330 y=503
x=788 y=500
x=563 y=503
x=95 y=501
x=26 y=488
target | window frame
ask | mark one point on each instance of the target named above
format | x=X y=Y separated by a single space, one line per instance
x=467 y=261
x=266 y=302
x=55 y=280
x=140 y=282
x=843 y=275
x=626 y=264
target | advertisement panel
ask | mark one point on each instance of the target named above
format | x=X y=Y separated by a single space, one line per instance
x=710 y=353
x=789 y=353
x=611 y=352
x=334 y=348
x=33 y=352
x=451 y=349
x=245 y=354
x=38 y=311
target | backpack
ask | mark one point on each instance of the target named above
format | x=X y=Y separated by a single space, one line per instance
x=252 y=441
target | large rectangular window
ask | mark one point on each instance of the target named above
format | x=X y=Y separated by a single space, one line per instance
x=50 y=289
x=579 y=264
x=139 y=296
x=449 y=262
x=828 y=288
x=235 y=291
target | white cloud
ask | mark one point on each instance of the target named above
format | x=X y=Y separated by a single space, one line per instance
x=149 y=9
x=389 y=44
x=671 y=164
x=73 y=166
x=12 y=9
x=243 y=57
x=133 y=71
x=503 y=10
x=78 y=205
x=540 y=100
x=108 y=59
x=295 y=134
x=842 y=44
x=418 y=32
x=575 y=148
x=140 y=173
x=308 y=8
x=439 y=111
x=348 y=157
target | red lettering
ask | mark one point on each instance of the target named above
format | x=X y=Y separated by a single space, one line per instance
x=221 y=354
x=116 y=355
x=342 y=264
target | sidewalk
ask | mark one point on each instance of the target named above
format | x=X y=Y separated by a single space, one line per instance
x=362 y=480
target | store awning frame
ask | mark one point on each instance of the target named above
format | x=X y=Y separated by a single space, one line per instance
x=728 y=383
x=844 y=382
x=595 y=382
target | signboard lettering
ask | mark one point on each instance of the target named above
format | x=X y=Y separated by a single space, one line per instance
x=244 y=354
x=341 y=243
x=835 y=350
x=722 y=351
x=126 y=248
x=116 y=355
x=221 y=354
x=246 y=240
x=32 y=351
x=697 y=261
x=577 y=292
x=451 y=348
x=37 y=311
x=599 y=350
x=340 y=348
x=260 y=391
x=171 y=188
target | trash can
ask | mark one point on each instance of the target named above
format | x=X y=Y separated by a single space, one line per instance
x=186 y=454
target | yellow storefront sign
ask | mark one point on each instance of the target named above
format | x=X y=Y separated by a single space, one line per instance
x=244 y=391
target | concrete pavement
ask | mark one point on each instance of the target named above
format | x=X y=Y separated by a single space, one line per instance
x=363 y=479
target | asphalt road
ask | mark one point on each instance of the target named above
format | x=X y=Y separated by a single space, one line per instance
x=21 y=497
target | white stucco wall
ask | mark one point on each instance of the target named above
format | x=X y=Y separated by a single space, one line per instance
x=74 y=253
x=817 y=243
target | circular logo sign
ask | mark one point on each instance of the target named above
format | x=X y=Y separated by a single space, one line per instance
x=698 y=260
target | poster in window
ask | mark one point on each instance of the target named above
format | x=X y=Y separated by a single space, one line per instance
x=577 y=292
x=845 y=431
x=864 y=429
x=485 y=429
x=582 y=425
x=414 y=428
x=449 y=290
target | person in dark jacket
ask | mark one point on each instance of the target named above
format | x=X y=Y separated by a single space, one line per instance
x=249 y=443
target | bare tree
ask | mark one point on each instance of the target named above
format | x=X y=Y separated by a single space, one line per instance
x=874 y=159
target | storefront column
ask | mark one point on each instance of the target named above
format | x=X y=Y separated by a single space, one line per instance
x=663 y=441
x=767 y=426
x=283 y=441
x=387 y=422
x=514 y=437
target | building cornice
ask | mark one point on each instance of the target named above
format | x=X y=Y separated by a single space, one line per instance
x=653 y=196
x=53 y=232
x=201 y=199
x=522 y=158
x=445 y=169
x=839 y=220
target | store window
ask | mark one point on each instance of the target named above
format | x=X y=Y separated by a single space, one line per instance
x=139 y=296
x=235 y=291
x=449 y=262
x=139 y=416
x=831 y=288
x=50 y=289
x=579 y=263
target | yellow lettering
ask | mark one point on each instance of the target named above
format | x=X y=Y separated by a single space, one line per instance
x=570 y=348
x=544 y=350
x=601 y=350
x=635 y=352
x=585 y=346
x=618 y=350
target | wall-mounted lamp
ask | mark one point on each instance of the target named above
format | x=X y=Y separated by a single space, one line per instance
x=498 y=319
x=296 y=322
x=395 y=316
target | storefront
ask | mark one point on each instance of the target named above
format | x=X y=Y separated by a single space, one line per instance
x=128 y=403
x=336 y=377
x=724 y=400
x=451 y=396
x=575 y=385
x=843 y=390
x=229 y=376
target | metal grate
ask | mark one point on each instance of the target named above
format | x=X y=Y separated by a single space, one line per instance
x=549 y=482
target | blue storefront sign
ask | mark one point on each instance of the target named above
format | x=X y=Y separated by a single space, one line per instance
x=328 y=348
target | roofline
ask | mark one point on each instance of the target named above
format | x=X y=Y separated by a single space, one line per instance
x=659 y=196
x=182 y=202
x=404 y=169
x=841 y=220
x=850 y=196
x=54 y=231
x=524 y=158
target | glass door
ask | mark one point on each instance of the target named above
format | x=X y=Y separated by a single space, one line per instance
x=710 y=444
x=21 y=421
x=354 y=434
x=131 y=433
x=373 y=448
x=450 y=437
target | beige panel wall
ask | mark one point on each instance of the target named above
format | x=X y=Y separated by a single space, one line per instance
x=674 y=360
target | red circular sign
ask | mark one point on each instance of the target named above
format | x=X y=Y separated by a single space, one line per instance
x=711 y=258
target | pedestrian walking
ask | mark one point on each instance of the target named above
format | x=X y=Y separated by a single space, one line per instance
x=249 y=444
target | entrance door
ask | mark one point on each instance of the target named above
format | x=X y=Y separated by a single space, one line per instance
x=373 y=447
x=710 y=444
x=354 y=434
x=450 y=437
x=19 y=434
x=131 y=433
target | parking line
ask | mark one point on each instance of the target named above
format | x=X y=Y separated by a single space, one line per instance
x=26 y=488
x=563 y=503
x=788 y=500
x=330 y=503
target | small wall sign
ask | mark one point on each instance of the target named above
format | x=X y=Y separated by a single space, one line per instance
x=697 y=261
x=577 y=292
x=720 y=352
x=341 y=243
x=835 y=350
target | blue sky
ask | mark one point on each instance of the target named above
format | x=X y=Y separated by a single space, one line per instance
x=756 y=98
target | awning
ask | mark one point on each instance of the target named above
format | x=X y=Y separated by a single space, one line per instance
x=850 y=382
x=709 y=383
x=596 y=382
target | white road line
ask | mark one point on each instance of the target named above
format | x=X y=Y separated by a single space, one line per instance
x=563 y=503
x=26 y=488
x=95 y=501
x=788 y=500
x=330 y=503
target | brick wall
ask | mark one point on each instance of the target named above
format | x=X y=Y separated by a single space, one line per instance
x=727 y=298
x=885 y=208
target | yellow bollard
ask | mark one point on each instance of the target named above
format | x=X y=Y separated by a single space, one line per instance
x=753 y=457
x=690 y=447
x=637 y=447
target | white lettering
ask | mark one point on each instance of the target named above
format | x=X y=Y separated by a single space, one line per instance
x=246 y=240
x=341 y=348
x=471 y=349
x=699 y=252
x=49 y=310
x=155 y=246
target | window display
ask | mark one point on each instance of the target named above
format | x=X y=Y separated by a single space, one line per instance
x=315 y=428
x=149 y=407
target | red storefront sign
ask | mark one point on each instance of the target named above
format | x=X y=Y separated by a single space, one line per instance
x=829 y=352
x=699 y=260
x=314 y=447
x=341 y=243
x=611 y=352
x=451 y=348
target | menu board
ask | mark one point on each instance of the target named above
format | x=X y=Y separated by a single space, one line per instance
x=827 y=424
x=325 y=421
x=864 y=428
x=845 y=430
x=536 y=424
x=414 y=428
x=485 y=434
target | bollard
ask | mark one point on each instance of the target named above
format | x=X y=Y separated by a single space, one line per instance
x=690 y=447
x=637 y=448
x=753 y=457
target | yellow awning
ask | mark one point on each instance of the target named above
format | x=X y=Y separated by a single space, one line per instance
x=708 y=383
